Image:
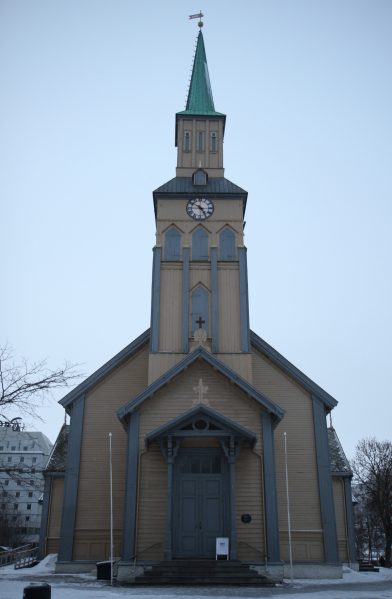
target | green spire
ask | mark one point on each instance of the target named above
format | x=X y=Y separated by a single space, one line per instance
x=200 y=100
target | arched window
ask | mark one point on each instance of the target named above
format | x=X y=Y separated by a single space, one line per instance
x=199 y=244
x=172 y=244
x=187 y=141
x=200 y=141
x=199 y=309
x=227 y=245
x=213 y=141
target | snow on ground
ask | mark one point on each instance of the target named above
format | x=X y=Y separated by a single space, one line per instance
x=354 y=585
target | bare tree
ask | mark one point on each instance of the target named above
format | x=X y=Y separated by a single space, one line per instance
x=23 y=384
x=372 y=468
x=23 y=387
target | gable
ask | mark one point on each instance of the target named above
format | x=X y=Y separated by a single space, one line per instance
x=181 y=395
x=202 y=355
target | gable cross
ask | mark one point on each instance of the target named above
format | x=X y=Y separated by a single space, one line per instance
x=200 y=390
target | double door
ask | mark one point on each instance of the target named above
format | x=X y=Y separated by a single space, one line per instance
x=200 y=506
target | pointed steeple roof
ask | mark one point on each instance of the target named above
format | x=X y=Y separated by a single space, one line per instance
x=200 y=100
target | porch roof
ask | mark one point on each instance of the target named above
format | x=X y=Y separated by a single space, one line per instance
x=224 y=426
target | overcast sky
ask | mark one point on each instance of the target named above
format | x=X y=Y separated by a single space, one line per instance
x=89 y=90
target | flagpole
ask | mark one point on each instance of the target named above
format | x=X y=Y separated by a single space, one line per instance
x=111 y=507
x=288 y=507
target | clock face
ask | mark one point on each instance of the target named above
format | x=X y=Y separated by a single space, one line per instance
x=200 y=208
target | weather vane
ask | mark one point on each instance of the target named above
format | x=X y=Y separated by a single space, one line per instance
x=198 y=16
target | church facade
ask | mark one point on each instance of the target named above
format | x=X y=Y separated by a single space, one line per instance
x=199 y=406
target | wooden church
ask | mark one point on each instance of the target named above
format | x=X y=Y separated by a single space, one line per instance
x=198 y=406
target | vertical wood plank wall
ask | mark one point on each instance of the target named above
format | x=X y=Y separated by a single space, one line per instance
x=340 y=514
x=302 y=468
x=92 y=536
x=54 y=519
x=171 y=308
x=229 y=308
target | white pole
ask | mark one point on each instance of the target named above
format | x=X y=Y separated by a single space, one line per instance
x=288 y=508
x=111 y=507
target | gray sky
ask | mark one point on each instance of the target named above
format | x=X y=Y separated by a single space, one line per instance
x=89 y=90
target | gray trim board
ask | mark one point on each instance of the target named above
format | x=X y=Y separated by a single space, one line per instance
x=270 y=493
x=301 y=378
x=71 y=481
x=185 y=299
x=244 y=301
x=44 y=518
x=155 y=299
x=327 y=509
x=206 y=356
x=106 y=369
x=348 y=501
x=214 y=300
x=131 y=484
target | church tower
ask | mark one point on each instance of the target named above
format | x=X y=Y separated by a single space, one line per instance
x=199 y=286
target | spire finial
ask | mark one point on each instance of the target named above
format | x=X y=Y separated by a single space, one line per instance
x=199 y=16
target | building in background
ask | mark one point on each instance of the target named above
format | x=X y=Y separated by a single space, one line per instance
x=23 y=456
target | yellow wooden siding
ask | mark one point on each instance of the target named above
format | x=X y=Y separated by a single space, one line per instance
x=170 y=309
x=249 y=492
x=92 y=517
x=229 y=308
x=151 y=517
x=54 y=516
x=340 y=515
x=240 y=363
x=302 y=466
x=199 y=274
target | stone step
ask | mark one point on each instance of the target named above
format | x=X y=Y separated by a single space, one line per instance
x=201 y=572
x=202 y=580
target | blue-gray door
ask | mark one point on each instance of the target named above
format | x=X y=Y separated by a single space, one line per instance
x=200 y=502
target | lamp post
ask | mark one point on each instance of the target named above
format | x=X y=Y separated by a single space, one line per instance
x=111 y=507
x=288 y=507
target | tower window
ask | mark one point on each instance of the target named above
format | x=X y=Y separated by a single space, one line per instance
x=213 y=141
x=227 y=245
x=187 y=141
x=200 y=177
x=199 y=309
x=200 y=141
x=172 y=244
x=200 y=244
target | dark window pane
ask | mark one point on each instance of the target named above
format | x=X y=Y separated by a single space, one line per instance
x=195 y=465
